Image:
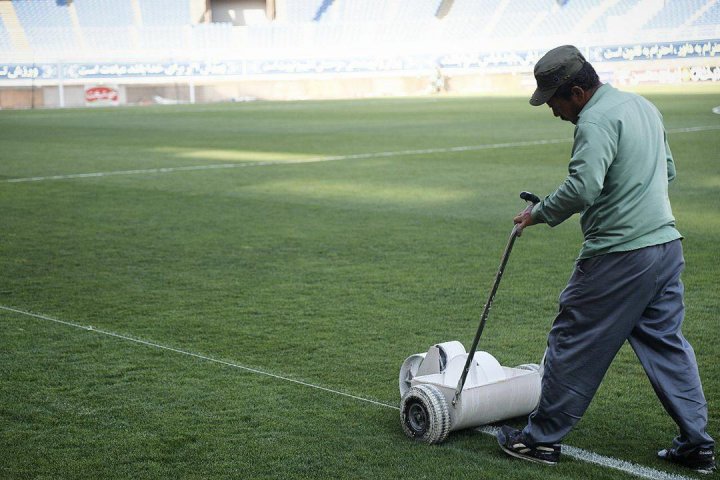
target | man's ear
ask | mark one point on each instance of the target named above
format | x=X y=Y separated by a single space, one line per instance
x=577 y=93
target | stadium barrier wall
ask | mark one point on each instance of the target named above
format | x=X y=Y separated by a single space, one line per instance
x=147 y=81
x=673 y=77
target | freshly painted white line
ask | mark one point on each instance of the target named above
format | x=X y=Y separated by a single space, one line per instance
x=358 y=156
x=334 y=158
x=574 y=452
x=191 y=354
x=608 y=462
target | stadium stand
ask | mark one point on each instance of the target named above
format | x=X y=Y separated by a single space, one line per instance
x=616 y=10
x=470 y=8
x=325 y=7
x=463 y=23
x=355 y=12
x=42 y=14
x=94 y=13
x=108 y=39
x=84 y=27
x=47 y=25
x=103 y=32
x=711 y=16
x=298 y=12
x=564 y=19
x=516 y=13
x=168 y=39
x=5 y=42
x=417 y=10
x=336 y=48
x=165 y=13
x=674 y=14
x=207 y=37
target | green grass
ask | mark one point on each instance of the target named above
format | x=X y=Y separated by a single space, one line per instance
x=330 y=273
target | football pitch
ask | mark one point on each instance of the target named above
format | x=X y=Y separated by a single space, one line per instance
x=229 y=291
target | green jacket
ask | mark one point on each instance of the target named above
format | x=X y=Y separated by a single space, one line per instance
x=618 y=176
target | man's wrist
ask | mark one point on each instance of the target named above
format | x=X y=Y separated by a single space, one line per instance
x=536 y=213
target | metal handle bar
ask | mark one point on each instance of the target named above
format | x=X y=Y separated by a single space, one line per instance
x=532 y=200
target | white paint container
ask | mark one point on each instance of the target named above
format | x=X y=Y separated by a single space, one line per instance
x=491 y=393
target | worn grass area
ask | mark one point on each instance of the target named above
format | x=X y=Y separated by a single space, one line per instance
x=329 y=273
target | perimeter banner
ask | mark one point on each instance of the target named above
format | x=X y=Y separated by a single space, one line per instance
x=102 y=96
x=493 y=60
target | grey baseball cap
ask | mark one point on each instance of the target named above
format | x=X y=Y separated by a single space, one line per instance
x=555 y=68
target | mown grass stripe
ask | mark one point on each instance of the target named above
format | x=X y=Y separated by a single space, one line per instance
x=573 y=452
x=357 y=156
x=334 y=158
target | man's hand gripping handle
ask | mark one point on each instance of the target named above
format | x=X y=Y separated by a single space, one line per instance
x=524 y=218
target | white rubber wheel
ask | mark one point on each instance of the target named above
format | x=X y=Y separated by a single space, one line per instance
x=424 y=414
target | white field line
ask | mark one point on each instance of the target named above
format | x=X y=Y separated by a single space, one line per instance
x=574 y=452
x=609 y=462
x=190 y=354
x=357 y=156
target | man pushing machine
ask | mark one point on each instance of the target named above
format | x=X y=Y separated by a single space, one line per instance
x=626 y=282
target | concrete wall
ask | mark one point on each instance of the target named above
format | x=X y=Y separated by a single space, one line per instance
x=23 y=97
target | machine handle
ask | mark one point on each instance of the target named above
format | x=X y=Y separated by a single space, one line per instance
x=532 y=200
x=530 y=197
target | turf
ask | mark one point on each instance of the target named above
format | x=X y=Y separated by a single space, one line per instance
x=329 y=273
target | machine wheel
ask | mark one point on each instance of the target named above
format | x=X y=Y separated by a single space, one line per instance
x=424 y=414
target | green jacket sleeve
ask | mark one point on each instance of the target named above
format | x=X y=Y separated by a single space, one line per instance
x=670 y=163
x=593 y=152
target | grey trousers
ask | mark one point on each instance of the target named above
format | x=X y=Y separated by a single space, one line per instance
x=635 y=296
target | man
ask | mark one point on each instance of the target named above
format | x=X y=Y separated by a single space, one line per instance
x=626 y=282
